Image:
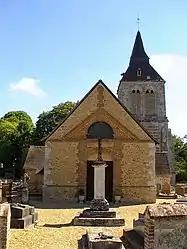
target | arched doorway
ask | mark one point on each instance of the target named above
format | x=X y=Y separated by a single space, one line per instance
x=100 y=130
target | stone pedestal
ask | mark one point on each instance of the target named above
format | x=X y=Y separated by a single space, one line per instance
x=99 y=213
x=99 y=202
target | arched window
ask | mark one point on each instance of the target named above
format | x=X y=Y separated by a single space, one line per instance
x=100 y=130
x=150 y=102
x=133 y=91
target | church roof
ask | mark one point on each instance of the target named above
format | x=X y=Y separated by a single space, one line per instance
x=100 y=82
x=139 y=68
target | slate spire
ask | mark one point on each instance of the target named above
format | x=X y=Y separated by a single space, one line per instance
x=138 y=52
x=139 y=68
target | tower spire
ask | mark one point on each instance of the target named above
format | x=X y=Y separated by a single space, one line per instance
x=139 y=68
x=138 y=52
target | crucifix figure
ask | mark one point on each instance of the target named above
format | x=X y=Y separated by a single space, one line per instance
x=99 y=202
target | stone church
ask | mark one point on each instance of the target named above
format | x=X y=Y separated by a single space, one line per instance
x=136 y=141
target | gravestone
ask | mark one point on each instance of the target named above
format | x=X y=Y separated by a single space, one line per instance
x=166 y=188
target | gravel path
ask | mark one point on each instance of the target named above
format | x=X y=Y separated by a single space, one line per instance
x=54 y=232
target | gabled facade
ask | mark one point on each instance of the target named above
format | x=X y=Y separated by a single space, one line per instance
x=127 y=147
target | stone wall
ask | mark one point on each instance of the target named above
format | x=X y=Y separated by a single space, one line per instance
x=165 y=226
x=69 y=169
x=137 y=176
x=5 y=215
x=33 y=166
x=125 y=94
x=35 y=184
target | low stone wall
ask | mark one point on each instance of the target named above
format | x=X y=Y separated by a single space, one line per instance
x=165 y=226
x=5 y=215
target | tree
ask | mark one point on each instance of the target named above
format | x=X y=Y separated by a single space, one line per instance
x=180 y=156
x=16 y=130
x=47 y=121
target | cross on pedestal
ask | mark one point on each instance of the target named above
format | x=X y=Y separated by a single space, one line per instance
x=99 y=202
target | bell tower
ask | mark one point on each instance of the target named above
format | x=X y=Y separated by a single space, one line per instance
x=142 y=90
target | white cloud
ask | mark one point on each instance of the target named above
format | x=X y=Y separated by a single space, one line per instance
x=173 y=68
x=28 y=85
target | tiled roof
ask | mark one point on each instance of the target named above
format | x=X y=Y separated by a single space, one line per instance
x=35 y=158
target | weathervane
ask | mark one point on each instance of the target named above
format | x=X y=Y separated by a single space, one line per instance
x=138 y=21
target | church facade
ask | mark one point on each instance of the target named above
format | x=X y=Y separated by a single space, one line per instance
x=136 y=142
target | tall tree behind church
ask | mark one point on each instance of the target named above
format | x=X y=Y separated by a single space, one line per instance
x=47 y=121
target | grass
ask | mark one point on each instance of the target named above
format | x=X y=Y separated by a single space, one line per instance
x=54 y=232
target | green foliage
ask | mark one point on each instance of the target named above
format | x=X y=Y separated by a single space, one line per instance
x=180 y=156
x=47 y=121
x=16 y=130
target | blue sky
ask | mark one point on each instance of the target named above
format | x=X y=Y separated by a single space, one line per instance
x=54 y=50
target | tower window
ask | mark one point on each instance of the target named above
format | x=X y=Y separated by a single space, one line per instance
x=147 y=91
x=139 y=72
x=138 y=91
x=152 y=91
x=133 y=91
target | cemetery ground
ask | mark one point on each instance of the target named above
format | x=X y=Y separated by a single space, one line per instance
x=54 y=231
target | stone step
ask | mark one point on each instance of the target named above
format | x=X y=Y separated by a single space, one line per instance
x=109 y=222
x=87 y=213
x=134 y=239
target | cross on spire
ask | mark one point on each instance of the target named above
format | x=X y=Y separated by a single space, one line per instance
x=138 y=22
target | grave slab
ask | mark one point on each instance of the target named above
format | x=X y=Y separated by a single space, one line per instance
x=22 y=223
x=101 y=239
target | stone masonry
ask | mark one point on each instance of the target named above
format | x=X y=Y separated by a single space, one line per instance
x=165 y=226
x=5 y=215
x=132 y=151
